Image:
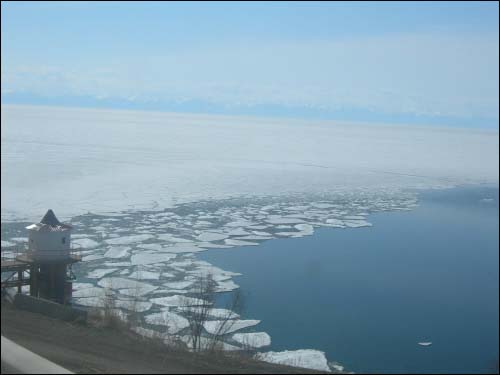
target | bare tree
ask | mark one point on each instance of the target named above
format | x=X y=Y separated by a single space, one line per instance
x=226 y=321
x=198 y=311
x=201 y=309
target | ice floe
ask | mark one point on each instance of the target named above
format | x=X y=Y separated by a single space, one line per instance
x=85 y=243
x=253 y=339
x=211 y=236
x=226 y=286
x=89 y=292
x=178 y=284
x=238 y=232
x=305 y=358
x=98 y=273
x=183 y=248
x=170 y=238
x=89 y=258
x=305 y=229
x=129 y=239
x=213 y=313
x=117 y=252
x=227 y=326
x=283 y=220
x=145 y=275
x=178 y=300
x=77 y=286
x=172 y=321
x=126 y=286
x=239 y=242
x=207 y=342
x=425 y=343
x=357 y=223
x=117 y=264
x=149 y=258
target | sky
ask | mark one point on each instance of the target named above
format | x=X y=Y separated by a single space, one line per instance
x=431 y=63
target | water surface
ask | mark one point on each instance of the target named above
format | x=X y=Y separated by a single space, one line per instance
x=366 y=296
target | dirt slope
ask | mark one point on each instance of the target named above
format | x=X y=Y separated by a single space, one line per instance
x=84 y=349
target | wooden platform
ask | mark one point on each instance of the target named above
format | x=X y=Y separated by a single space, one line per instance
x=14 y=265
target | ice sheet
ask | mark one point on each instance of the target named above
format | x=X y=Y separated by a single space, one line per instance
x=313 y=164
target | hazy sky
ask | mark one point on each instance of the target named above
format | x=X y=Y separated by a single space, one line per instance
x=410 y=62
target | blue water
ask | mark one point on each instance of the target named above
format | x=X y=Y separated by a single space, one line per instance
x=366 y=296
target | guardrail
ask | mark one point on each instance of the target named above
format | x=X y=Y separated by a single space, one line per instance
x=23 y=361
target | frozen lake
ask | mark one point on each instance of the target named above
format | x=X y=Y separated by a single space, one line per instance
x=80 y=160
x=367 y=296
x=149 y=194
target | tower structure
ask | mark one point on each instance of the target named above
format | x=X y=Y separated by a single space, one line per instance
x=50 y=259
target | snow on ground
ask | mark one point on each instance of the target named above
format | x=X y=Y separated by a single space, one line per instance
x=253 y=339
x=305 y=358
x=225 y=327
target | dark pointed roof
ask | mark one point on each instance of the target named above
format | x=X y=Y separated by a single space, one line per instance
x=50 y=219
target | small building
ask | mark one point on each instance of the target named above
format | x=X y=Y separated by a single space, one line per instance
x=49 y=239
x=50 y=259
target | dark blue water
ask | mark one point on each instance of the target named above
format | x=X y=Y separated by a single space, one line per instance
x=366 y=296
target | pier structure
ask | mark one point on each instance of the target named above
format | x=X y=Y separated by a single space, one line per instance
x=46 y=266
